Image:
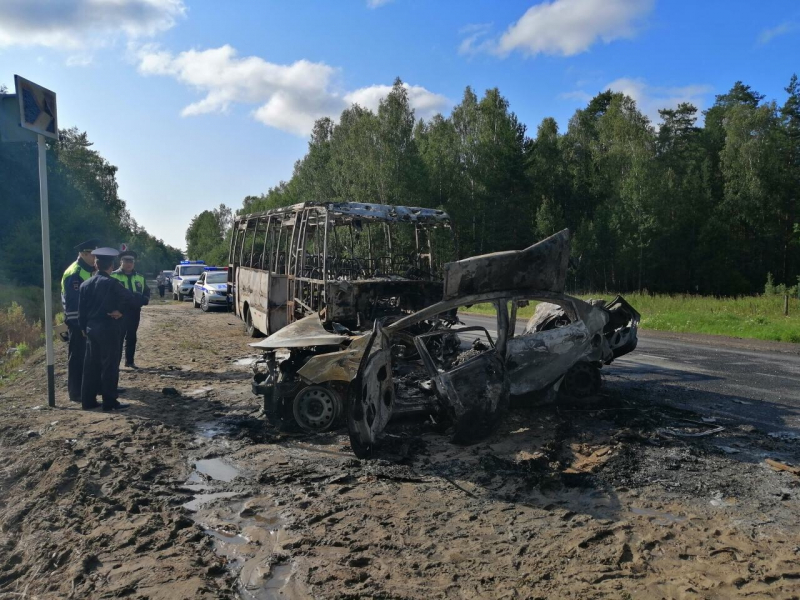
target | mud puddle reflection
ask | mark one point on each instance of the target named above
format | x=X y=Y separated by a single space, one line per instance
x=249 y=532
x=247 y=361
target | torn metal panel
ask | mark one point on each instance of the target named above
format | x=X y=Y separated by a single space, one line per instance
x=303 y=333
x=537 y=359
x=335 y=366
x=623 y=326
x=542 y=266
x=474 y=394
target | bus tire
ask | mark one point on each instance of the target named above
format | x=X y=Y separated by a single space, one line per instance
x=250 y=328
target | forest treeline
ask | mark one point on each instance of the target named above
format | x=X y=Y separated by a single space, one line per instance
x=84 y=203
x=673 y=206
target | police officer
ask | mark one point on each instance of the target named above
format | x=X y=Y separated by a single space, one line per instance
x=103 y=301
x=71 y=281
x=135 y=283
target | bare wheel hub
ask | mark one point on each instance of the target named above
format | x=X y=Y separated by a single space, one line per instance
x=316 y=408
x=582 y=380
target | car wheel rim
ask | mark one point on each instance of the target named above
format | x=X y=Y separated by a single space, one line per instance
x=315 y=408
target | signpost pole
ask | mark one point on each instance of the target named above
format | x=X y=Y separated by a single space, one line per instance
x=48 y=292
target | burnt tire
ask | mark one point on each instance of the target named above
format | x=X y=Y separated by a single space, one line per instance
x=354 y=413
x=583 y=380
x=279 y=415
x=250 y=328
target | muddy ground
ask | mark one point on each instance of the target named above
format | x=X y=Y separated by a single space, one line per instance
x=188 y=495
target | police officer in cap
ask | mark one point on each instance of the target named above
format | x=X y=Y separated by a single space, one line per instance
x=71 y=281
x=135 y=283
x=103 y=301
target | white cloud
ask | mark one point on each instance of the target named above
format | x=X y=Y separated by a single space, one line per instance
x=476 y=38
x=767 y=35
x=579 y=95
x=287 y=97
x=569 y=27
x=649 y=99
x=377 y=3
x=291 y=97
x=73 y=24
x=78 y=60
x=424 y=102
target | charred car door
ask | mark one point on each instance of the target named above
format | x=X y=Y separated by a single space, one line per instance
x=372 y=396
x=537 y=359
x=473 y=389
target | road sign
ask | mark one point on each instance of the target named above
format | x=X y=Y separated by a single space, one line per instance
x=123 y=247
x=37 y=115
x=37 y=108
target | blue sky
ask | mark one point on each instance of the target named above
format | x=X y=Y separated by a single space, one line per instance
x=202 y=102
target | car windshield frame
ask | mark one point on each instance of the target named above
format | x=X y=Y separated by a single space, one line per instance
x=189 y=270
x=222 y=275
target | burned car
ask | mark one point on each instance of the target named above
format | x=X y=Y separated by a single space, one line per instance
x=431 y=363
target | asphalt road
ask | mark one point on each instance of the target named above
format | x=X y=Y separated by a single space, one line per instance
x=761 y=388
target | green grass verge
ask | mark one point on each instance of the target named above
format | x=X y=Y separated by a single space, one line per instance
x=753 y=317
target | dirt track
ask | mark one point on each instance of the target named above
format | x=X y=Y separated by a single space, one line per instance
x=188 y=496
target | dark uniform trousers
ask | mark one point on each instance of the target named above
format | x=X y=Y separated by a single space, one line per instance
x=101 y=364
x=73 y=277
x=75 y=353
x=133 y=282
x=130 y=324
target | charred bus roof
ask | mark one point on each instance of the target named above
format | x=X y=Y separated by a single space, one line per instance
x=348 y=212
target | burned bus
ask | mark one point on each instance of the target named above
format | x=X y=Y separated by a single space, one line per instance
x=350 y=262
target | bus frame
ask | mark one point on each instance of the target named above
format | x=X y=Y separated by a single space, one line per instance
x=290 y=262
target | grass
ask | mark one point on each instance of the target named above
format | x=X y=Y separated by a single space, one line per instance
x=18 y=338
x=753 y=317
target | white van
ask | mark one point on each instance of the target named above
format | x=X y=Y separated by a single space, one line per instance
x=186 y=273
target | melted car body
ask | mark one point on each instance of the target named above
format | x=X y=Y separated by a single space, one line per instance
x=430 y=363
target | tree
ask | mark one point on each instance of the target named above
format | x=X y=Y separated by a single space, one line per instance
x=204 y=237
x=677 y=208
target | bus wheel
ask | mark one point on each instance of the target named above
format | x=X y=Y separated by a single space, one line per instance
x=251 y=329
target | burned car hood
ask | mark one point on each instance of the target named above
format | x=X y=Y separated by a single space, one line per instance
x=542 y=266
x=304 y=333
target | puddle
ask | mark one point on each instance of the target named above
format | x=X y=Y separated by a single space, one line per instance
x=201 y=500
x=657 y=517
x=227 y=538
x=211 y=429
x=250 y=552
x=248 y=361
x=248 y=534
x=216 y=468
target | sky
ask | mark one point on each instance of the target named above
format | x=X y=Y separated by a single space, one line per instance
x=201 y=102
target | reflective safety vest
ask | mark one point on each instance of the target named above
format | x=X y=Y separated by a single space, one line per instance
x=71 y=282
x=74 y=269
x=133 y=282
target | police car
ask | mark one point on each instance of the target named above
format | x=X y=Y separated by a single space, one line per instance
x=211 y=290
x=186 y=273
